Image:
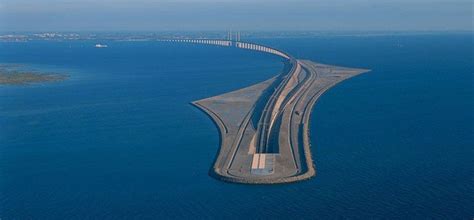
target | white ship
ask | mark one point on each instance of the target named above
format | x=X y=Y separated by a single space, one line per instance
x=100 y=45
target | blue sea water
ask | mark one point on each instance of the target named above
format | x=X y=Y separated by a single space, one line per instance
x=119 y=139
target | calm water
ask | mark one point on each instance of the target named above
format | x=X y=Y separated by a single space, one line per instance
x=120 y=140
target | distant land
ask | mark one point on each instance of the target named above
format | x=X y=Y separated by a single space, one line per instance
x=160 y=35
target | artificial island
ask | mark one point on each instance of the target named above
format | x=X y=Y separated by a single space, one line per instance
x=264 y=128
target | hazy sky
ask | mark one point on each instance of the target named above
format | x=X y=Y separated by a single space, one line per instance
x=157 y=15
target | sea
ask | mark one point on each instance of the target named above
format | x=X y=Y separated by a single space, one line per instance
x=119 y=139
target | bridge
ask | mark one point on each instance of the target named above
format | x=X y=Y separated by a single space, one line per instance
x=264 y=128
x=230 y=43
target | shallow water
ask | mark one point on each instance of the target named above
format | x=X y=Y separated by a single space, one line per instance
x=120 y=140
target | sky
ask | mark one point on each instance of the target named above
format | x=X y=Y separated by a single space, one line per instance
x=250 y=15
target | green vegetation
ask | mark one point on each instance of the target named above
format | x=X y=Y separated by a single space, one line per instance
x=16 y=77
